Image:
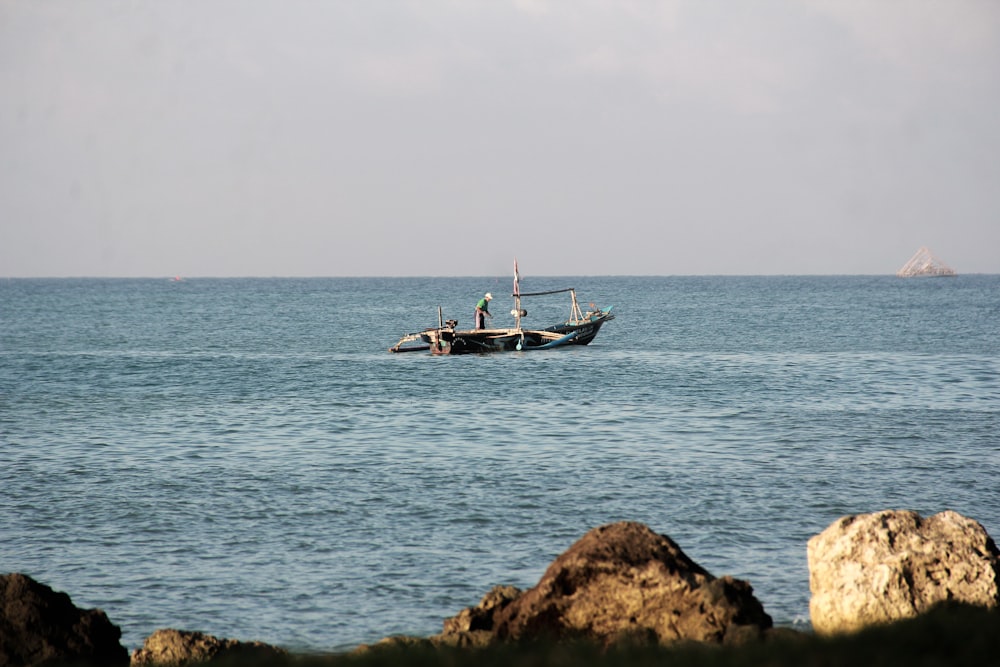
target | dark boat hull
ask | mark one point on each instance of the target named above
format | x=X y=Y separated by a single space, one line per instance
x=487 y=341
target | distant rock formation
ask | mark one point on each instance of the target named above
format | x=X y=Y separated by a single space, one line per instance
x=875 y=568
x=38 y=624
x=923 y=263
x=177 y=648
x=620 y=582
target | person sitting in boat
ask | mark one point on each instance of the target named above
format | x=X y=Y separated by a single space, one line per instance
x=483 y=311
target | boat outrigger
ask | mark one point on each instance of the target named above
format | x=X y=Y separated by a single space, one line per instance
x=578 y=329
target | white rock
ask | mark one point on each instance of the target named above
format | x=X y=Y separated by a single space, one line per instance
x=876 y=568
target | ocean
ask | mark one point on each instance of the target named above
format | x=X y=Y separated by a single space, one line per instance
x=243 y=457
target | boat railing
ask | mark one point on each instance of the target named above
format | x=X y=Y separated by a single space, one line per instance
x=575 y=316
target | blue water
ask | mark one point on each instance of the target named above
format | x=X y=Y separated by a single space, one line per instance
x=244 y=458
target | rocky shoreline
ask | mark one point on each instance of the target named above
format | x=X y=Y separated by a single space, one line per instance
x=620 y=584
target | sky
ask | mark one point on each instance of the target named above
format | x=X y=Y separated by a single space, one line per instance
x=447 y=137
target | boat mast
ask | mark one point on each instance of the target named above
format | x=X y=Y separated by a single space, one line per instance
x=577 y=315
x=517 y=298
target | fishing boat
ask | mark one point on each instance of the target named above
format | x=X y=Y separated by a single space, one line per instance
x=579 y=328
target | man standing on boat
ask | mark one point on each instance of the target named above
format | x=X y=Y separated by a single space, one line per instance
x=483 y=311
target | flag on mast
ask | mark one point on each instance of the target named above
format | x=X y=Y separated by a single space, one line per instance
x=517 y=290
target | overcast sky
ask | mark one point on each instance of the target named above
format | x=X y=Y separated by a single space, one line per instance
x=446 y=137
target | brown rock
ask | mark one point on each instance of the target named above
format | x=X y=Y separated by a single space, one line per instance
x=176 y=648
x=625 y=582
x=474 y=626
x=876 y=568
x=38 y=624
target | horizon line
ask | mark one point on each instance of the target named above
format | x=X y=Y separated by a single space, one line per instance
x=181 y=278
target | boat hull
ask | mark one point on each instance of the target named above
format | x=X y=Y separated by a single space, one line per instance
x=487 y=341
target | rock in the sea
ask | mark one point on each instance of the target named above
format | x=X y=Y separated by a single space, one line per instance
x=876 y=568
x=624 y=582
x=38 y=624
x=475 y=626
x=176 y=648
